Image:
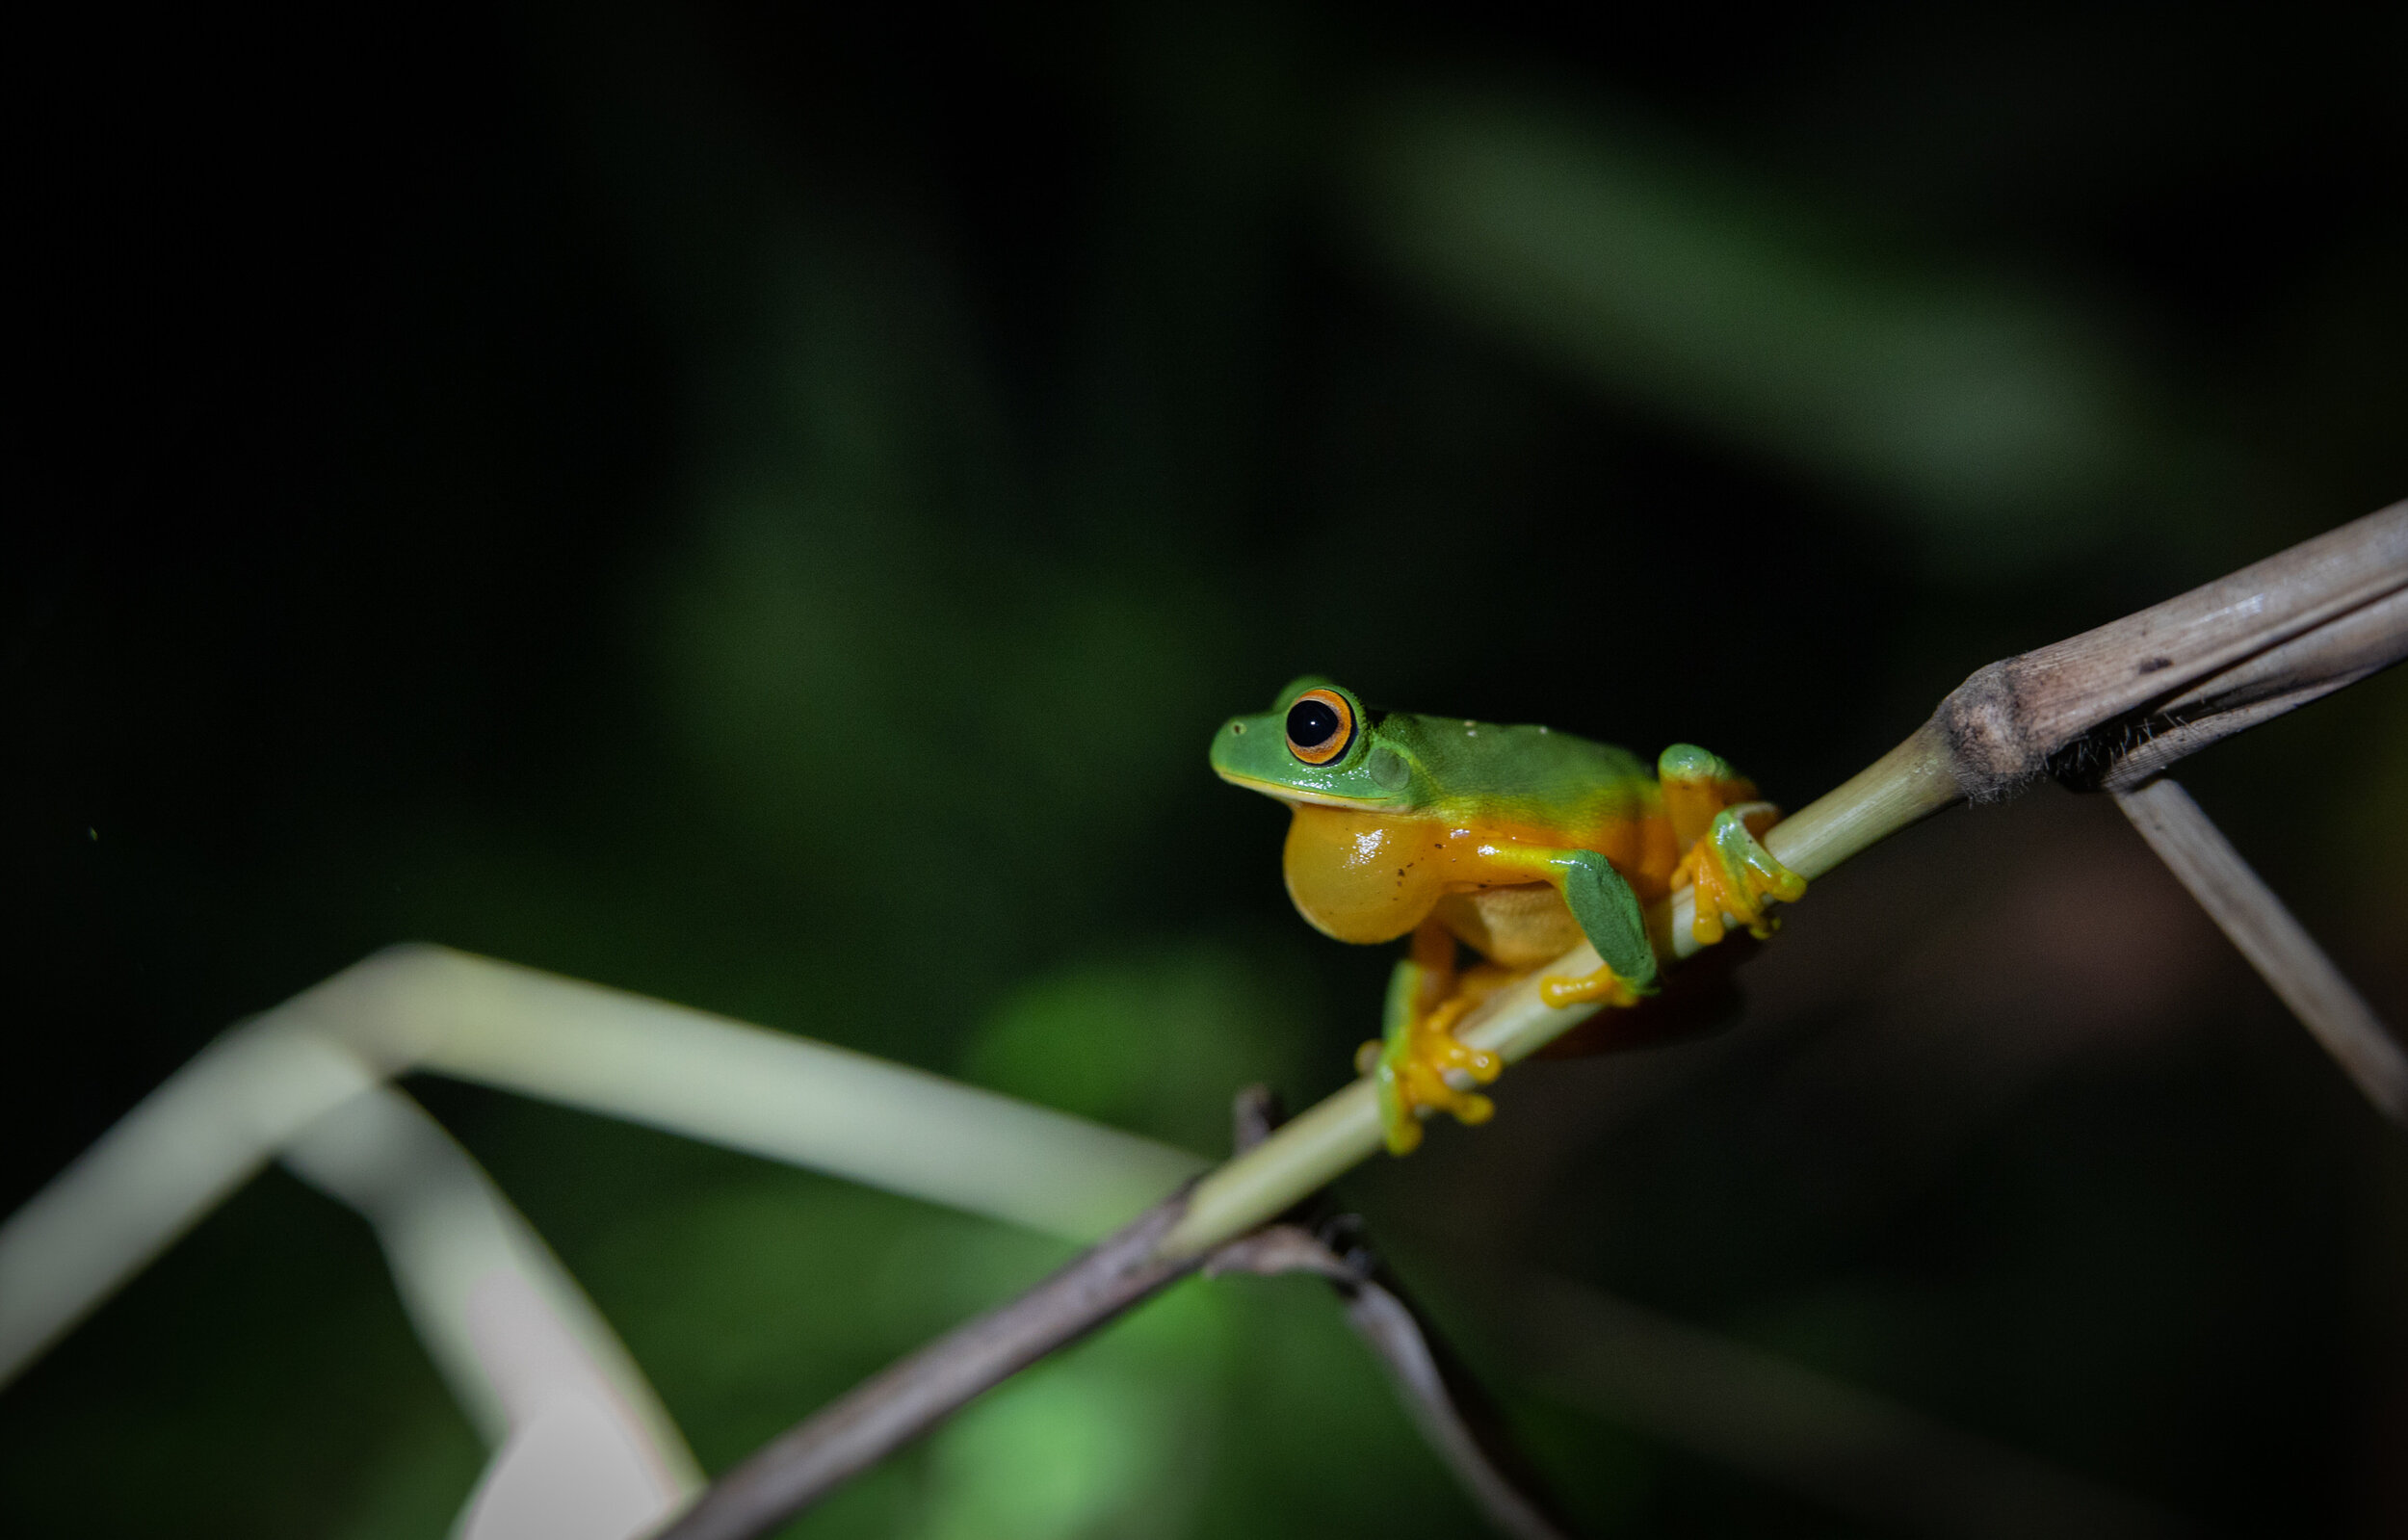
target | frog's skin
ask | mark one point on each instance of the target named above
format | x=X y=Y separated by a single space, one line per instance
x=1515 y=841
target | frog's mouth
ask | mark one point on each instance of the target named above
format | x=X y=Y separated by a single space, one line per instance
x=1293 y=794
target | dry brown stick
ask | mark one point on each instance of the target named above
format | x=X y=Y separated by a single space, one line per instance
x=2314 y=663
x=2112 y=709
x=2275 y=943
x=1446 y=1403
x=2225 y=656
x=2336 y=610
x=1431 y=1385
x=2120 y=702
x=913 y=1394
x=2280 y=632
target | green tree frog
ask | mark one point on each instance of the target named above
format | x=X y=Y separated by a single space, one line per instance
x=1517 y=842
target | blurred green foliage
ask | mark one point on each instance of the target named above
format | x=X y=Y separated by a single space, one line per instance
x=764 y=507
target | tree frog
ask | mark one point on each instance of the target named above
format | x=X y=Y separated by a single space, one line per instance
x=1517 y=842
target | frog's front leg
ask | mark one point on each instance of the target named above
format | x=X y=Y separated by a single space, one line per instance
x=1417 y=1047
x=1716 y=823
x=1610 y=916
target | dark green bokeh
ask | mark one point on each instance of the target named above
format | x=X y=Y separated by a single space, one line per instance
x=767 y=511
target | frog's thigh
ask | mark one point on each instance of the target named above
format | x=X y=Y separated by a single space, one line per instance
x=1697 y=784
x=1520 y=925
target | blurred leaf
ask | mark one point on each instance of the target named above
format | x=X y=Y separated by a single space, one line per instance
x=418 y=1482
x=1073 y=1449
x=1158 y=1042
x=1988 y=417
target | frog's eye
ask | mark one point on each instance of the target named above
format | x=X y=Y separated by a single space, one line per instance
x=1321 y=724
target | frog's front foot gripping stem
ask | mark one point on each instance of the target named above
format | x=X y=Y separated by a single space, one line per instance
x=1734 y=875
x=1410 y=1067
x=1417 y=1047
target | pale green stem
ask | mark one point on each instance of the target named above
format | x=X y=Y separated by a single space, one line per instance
x=239 y=1103
x=511 y=1331
x=773 y=1094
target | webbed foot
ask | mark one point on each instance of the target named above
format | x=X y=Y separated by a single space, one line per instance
x=1734 y=876
x=1409 y=1067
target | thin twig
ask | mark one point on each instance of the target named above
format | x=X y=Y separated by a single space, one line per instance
x=912 y=1395
x=1439 y=1393
x=915 y=1393
x=2264 y=931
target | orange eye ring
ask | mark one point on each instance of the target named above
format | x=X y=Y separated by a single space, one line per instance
x=1320 y=726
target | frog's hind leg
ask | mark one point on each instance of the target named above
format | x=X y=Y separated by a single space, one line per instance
x=1417 y=1047
x=1715 y=821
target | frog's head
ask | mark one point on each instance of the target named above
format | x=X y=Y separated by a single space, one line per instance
x=1316 y=743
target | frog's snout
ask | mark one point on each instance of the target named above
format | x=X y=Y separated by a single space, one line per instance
x=1231 y=746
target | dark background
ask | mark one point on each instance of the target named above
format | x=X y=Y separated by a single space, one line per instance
x=732 y=501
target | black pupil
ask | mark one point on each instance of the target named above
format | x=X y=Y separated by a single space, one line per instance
x=1311 y=724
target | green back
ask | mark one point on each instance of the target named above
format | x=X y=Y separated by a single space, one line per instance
x=1533 y=775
